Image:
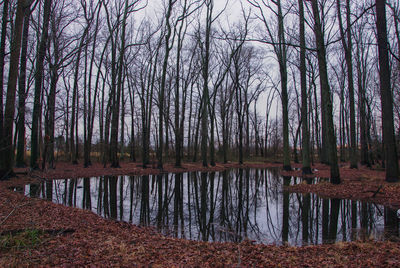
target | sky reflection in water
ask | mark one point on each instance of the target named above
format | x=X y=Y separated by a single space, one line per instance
x=225 y=206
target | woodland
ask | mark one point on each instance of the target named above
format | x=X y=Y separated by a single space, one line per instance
x=116 y=87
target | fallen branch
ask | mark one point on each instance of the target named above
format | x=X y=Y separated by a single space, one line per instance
x=12 y=211
x=377 y=191
x=52 y=232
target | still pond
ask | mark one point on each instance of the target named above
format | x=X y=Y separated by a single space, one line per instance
x=231 y=205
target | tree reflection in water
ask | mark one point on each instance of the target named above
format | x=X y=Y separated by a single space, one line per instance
x=231 y=205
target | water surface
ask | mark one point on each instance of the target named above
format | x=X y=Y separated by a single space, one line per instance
x=232 y=205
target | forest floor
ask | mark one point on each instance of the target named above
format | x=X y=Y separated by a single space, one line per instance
x=36 y=232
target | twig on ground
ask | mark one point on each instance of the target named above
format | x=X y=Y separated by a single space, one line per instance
x=377 y=191
x=12 y=211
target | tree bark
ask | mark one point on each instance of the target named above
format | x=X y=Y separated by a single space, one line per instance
x=74 y=99
x=282 y=58
x=161 y=96
x=117 y=99
x=2 y=56
x=326 y=96
x=205 y=73
x=51 y=103
x=22 y=91
x=35 y=148
x=306 y=168
x=389 y=141
x=92 y=111
x=7 y=154
x=347 y=47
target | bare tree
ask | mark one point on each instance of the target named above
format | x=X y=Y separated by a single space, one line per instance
x=161 y=97
x=22 y=92
x=303 y=83
x=75 y=95
x=181 y=28
x=90 y=107
x=59 y=54
x=41 y=53
x=325 y=95
x=348 y=47
x=7 y=155
x=389 y=142
x=2 y=56
x=128 y=8
x=280 y=49
x=205 y=74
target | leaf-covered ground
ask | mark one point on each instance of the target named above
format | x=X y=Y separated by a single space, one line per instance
x=37 y=232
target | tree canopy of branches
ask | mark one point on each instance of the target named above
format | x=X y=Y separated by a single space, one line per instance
x=189 y=80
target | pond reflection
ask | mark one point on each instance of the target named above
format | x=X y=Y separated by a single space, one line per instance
x=231 y=205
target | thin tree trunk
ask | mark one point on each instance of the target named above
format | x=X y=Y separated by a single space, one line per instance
x=178 y=138
x=306 y=168
x=284 y=92
x=74 y=100
x=117 y=98
x=92 y=111
x=132 y=104
x=51 y=102
x=161 y=97
x=342 y=128
x=347 y=47
x=22 y=91
x=362 y=105
x=2 y=56
x=205 y=73
x=122 y=134
x=196 y=134
x=189 y=144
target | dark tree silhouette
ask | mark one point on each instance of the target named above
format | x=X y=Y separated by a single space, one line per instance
x=389 y=141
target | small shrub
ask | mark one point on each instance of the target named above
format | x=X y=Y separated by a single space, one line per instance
x=24 y=239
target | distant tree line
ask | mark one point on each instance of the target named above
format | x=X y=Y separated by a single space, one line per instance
x=181 y=80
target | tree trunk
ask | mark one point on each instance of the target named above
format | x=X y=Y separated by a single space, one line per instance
x=196 y=134
x=22 y=91
x=2 y=56
x=362 y=105
x=122 y=134
x=132 y=104
x=342 y=127
x=205 y=73
x=178 y=138
x=392 y=165
x=51 y=103
x=347 y=47
x=74 y=100
x=92 y=111
x=239 y=104
x=86 y=89
x=306 y=168
x=39 y=85
x=7 y=155
x=117 y=98
x=189 y=144
x=326 y=97
x=161 y=97
x=282 y=55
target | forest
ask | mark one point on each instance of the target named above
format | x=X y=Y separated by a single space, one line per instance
x=109 y=80
x=140 y=87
